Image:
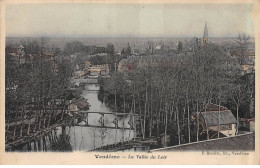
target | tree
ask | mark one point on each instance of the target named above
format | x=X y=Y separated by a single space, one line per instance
x=110 y=49
x=180 y=47
x=165 y=91
x=238 y=93
x=38 y=79
x=150 y=47
x=97 y=60
x=73 y=47
x=128 y=50
x=242 y=42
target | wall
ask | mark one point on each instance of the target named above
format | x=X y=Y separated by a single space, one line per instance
x=224 y=130
x=252 y=126
x=231 y=132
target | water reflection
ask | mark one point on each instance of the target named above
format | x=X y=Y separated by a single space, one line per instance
x=88 y=138
x=63 y=143
x=49 y=142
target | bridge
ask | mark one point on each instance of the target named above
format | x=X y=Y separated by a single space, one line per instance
x=84 y=116
x=85 y=81
x=25 y=130
x=99 y=69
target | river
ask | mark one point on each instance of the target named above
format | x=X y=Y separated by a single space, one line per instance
x=87 y=138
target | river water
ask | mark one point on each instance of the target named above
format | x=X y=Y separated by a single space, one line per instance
x=87 y=138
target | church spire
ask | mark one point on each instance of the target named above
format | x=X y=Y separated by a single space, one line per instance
x=205 y=31
x=205 y=35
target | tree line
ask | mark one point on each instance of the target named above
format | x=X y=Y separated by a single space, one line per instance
x=39 y=79
x=167 y=95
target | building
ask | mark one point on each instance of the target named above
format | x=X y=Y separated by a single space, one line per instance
x=248 y=68
x=79 y=74
x=146 y=62
x=215 y=118
x=87 y=64
x=77 y=105
x=12 y=50
x=247 y=58
x=126 y=65
x=247 y=124
x=98 y=70
x=17 y=52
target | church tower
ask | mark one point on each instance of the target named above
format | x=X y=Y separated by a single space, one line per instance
x=205 y=36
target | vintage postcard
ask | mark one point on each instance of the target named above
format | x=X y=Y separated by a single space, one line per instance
x=129 y=82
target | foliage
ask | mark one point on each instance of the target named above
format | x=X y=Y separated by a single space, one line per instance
x=167 y=91
x=243 y=41
x=39 y=78
x=73 y=47
x=62 y=145
x=110 y=49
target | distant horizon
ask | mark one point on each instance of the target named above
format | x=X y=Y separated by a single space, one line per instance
x=118 y=41
x=122 y=36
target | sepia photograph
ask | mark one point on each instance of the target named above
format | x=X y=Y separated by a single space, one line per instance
x=129 y=77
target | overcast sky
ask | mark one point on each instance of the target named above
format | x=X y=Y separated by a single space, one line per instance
x=99 y=20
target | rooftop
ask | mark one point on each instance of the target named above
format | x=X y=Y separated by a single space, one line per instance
x=215 y=114
x=214 y=118
x=240 y=142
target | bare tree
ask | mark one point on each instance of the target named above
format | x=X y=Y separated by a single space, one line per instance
x=243 y=40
